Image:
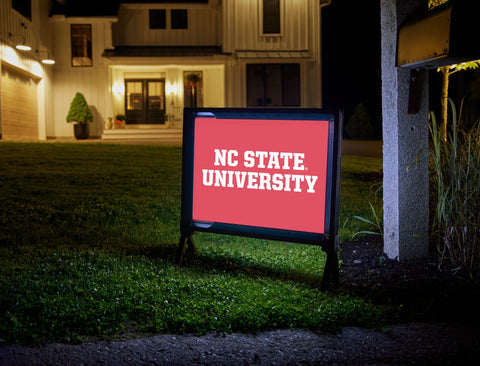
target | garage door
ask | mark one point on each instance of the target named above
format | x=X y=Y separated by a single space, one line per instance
x=19 y=105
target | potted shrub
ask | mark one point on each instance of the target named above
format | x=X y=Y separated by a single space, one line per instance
x=81 y=115
x=120 y=121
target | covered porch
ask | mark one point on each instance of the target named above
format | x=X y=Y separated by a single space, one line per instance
x=149 y=91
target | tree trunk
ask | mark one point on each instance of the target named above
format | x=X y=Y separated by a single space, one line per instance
x=446 y=75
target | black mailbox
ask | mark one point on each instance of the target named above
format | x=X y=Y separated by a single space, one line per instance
x=447 y=35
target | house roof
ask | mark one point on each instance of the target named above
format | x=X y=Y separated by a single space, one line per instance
x=163 y=51
x=164 y=1
x=101 y=8
x=85 y=8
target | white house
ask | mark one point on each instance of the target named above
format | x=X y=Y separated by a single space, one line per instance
x=147 y=60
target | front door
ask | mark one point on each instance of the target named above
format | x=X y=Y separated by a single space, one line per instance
x=145 y=101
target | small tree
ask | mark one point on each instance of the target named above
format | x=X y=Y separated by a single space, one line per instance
x=79 y=110
x=359 y=125
x=446 y=72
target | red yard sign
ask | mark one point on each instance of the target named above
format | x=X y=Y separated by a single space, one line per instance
x=263 y=173
x=266 y=173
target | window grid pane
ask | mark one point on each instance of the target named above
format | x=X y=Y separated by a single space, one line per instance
x=273 y=85
x=179 y=18
x=156 y=95
x=158 y=19
x=134 y=95
x=81 y=43
x=271 y=16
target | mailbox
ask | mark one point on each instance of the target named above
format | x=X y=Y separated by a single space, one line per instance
x=445 y=36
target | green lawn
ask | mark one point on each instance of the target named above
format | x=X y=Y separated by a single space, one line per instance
x=88 y=234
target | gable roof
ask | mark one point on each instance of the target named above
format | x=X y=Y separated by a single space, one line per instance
x=85 y=8
x=101 y=8
x=164 y=1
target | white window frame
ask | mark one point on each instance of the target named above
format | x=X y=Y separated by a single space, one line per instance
x=282 y=20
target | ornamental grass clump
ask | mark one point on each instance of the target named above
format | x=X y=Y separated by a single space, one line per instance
x=455 y=184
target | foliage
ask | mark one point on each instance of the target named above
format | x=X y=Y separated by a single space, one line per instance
x=193 y=79
x=92 y=255
x=446 y=72
x=360 y=196
x=434 y=3
x=359 y=125
x=375 y=222
x=79 y=110
x=455 y=181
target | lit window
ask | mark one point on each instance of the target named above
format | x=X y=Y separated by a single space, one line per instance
x=179 y=19
x=158 y=19
x=81 y=45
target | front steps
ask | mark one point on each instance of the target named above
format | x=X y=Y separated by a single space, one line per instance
x=146 y=132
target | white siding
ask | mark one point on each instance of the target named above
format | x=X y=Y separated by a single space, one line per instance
x=11 y=29
x=300 y=35
x=36 y=32
x=242 y=26
x=214 y=88
x=92 y=81
x=133 y=28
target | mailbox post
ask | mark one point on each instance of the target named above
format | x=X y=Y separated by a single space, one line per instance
x=405 y=191
x=413 y=41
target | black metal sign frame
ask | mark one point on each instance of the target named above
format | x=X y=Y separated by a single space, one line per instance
x=327 y=240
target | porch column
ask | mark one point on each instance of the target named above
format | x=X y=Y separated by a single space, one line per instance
x=405 y=184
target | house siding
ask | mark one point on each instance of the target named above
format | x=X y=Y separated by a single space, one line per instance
x=133 y=27
x=233 y=26
x=245 y=33
x=91 y=81
x=36 y=32
x=299 y=42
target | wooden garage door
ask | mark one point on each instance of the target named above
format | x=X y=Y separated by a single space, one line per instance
x=19 y=105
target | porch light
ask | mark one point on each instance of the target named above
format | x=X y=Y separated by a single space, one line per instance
x=118 y=88
x=172 y=88
x=46 y=60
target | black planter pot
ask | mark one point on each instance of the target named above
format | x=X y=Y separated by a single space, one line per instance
x=81 y=131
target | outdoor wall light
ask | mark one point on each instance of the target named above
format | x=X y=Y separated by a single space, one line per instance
x=118 y=89
x=23 y=47
x=20 y=42
x=172 y=88
x=45 y=60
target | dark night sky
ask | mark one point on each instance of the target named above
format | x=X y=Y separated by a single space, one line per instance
x=351 y=57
